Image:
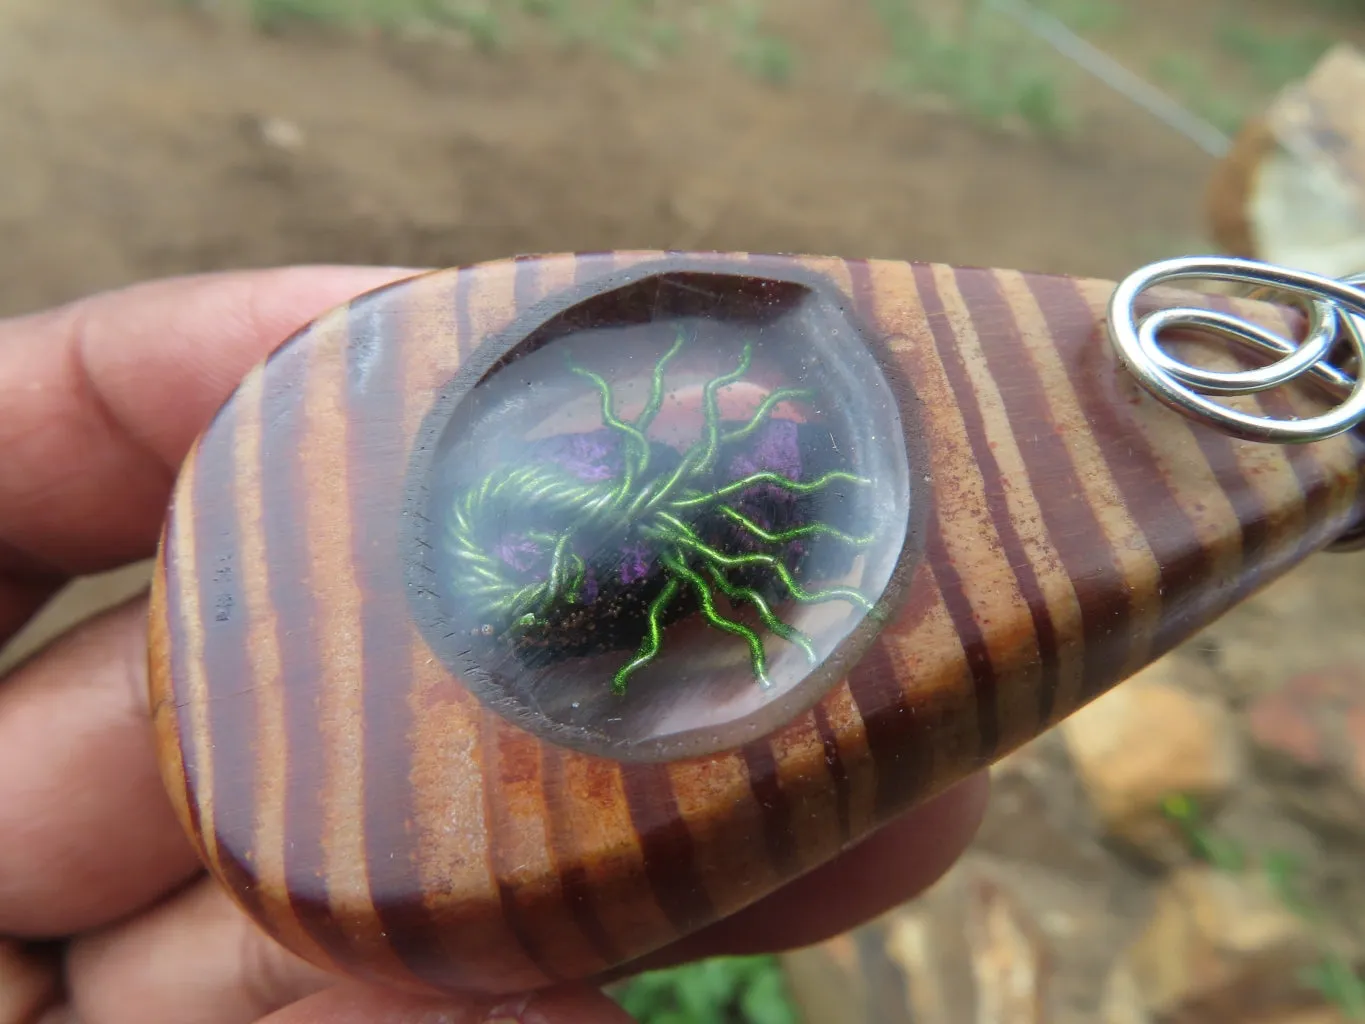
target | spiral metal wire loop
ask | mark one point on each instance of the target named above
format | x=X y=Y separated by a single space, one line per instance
x=1336 y=314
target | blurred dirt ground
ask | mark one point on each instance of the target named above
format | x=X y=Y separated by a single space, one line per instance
x=142 y=138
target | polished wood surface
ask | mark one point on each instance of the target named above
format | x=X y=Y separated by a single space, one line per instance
x=369 y=812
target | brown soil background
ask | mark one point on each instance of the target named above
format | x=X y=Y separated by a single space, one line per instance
x=131 y=131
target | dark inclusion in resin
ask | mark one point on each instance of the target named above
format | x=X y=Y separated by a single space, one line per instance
x=657 y=518
x=594 y=541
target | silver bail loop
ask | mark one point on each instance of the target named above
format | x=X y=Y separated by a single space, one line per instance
x=1336 y=313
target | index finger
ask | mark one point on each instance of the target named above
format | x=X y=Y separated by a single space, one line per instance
x=105 y=396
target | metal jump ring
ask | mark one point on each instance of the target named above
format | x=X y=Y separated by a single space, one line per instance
x=1335 y=308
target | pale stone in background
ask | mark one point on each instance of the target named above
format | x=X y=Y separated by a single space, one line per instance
x=78 y=601
x=970 y=951
x=1221 y=948
x=1146 y=740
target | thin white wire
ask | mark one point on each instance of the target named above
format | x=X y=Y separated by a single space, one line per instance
x=1161 y=106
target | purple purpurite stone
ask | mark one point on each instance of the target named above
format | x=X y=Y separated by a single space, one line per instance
x=634 y=563
x=593 y=457
x=597 y=455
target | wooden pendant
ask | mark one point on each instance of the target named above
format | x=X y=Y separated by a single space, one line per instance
x=513 y=621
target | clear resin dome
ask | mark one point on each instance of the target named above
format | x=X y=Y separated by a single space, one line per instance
x=663 y=521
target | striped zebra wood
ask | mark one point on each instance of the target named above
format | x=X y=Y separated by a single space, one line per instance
x=369 y=812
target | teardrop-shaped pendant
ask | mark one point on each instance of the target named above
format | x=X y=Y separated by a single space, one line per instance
x=513 y=621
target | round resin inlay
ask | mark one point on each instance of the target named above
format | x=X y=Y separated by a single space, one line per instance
x=665 y=520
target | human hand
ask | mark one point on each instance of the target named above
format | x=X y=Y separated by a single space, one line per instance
x=102 y=399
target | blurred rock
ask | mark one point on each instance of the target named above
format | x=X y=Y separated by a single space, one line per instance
x=968 y=950
x=1233 y=185
x=1218 y=949
x=1146 y=740
x=832 y=981
x=79 y=600
x=1292 y=188
x=1009 y=962
x=1309 y=740
x=1123 y=1003
x=281 y=133
x=1037 y=784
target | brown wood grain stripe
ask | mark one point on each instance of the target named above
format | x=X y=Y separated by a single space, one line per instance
x=1117 y=577
x=1256 y=520
x=900 y=739
x=461 y=906
x=1236 y=465
x=669 y=851
x=1267 y=513
x=715 y=799
x=953 y=586
x=809 y=790
x=528 y=875
x=378 y=457
x=1245 y=535
x=162 y=662
x=977 y=396
x=838 y=770
x=528 y=287
x=489 y=302
x=1089 y=527
x=900 y=686
x=228 y=693
x=972 y=301
x=1237 y=469
x=454 y=837
x=263 y=653
x=1322 y=498
x=1321 y=488
x=847 y=746
x=465 y=338
x=588 y=266
x=976 y=583
x=1326 y=468
x=290 y=593
x=576 y=884
x=599 y=840
x=760 y=765
x=339 y=375
x=185 y=639
x=1196 y=476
